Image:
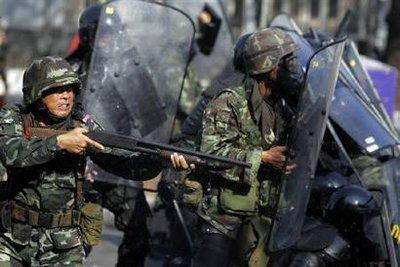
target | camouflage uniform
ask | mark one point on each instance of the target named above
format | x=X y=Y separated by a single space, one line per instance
x=127 y=203
x=44 y=181
x=238 y=204
x=190 y=95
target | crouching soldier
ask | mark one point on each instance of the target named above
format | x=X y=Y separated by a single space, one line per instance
x=45 y=219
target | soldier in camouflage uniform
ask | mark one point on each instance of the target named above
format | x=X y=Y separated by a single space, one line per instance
x=244 y=123
x=128 y=204
x=45 y=219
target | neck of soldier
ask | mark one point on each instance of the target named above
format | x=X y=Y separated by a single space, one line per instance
x=264 y=89
x=46 y=119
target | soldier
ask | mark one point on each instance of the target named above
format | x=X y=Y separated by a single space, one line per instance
x=128 y=204
x=244 y=122
x=45 y=219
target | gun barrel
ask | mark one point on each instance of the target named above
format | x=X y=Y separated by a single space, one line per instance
x=131 y=143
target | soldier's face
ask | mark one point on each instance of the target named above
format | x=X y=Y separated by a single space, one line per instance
x=59 y=101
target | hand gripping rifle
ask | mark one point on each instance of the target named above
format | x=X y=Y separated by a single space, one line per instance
x=163 y=151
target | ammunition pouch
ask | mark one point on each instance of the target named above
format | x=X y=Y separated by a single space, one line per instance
x=34 y=218
x=91 y=223
x=242 y=200
x=66 y=239
x=192 y=193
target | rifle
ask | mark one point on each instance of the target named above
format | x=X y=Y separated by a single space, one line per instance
x=131 y=143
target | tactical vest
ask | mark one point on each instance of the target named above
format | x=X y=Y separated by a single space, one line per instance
x=39 y=179
x=260 y=196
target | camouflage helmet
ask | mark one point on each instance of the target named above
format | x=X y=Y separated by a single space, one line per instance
x=47 y=73
x=238 y=53
x=265 y=48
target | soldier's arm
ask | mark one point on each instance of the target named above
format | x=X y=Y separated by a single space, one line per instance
x=221 y=132
x=18 y=152
x=127 y=164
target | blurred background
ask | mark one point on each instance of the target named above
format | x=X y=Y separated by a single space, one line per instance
x=33 y=28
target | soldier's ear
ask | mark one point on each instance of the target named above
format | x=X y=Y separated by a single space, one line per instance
x=273 y=74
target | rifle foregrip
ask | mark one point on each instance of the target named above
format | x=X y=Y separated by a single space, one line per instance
x=166 y=155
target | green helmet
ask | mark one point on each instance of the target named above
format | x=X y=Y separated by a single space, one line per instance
x=265 y=48
x=47 y=73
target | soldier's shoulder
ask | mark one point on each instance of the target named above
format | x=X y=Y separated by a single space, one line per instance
x=10 y=114
x=232 y=96
x=11 y=121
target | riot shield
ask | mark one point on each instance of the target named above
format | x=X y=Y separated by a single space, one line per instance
x=305 y=141
x=138 y=64
x=217 y=64
x=389 y=188
x=351 y=107
x=284 y=21
x=352 y=58
x=355 y=118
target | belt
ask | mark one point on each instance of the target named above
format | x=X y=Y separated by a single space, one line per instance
x=45 y=219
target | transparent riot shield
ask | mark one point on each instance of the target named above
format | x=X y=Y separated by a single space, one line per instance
x=284 y=21
x=209 y=68
x=352 y=107
x=389 y=188
x=137 y=68
x=355 y=118
x=352 y=58
x=305 y=141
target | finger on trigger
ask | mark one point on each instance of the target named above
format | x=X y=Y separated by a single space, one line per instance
x=94 y=143
x=83 y=130
x=192 y=167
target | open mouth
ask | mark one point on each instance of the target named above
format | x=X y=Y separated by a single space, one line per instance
x=64 y=107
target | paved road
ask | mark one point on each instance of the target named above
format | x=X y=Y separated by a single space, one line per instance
x=106 y=253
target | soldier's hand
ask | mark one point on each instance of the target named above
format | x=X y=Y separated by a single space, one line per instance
x=275 y=157
x=179 y=163
x=76 y=142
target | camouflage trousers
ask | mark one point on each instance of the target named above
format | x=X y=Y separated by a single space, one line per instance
x=28 y=246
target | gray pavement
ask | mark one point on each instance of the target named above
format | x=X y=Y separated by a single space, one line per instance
x=105 y=254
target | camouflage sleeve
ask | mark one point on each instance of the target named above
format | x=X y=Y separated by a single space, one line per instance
x=221 y=135
x=127 y=164
x=191 y=92
x=18 y=152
